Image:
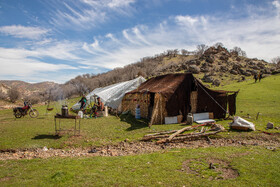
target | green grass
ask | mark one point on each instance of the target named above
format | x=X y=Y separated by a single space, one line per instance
x=263 y=97
x=257 y=167
x=39 y=132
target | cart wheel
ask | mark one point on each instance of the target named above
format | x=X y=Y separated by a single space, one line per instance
x=18 y=114
x=33 y=113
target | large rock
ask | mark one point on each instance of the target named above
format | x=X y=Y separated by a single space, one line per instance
x=236 y=66
x=248 y=73
x=267 y=71
x=224 y=57
x=261 y=65
x=234 y=72
x=244 y=72
x=223 y=69
x=255 y=67
x=205 y=69
x=238 y=59
x=210 y=59
x=194 y=69
x=191 y=62
x=234 y=53
x=208 y=79
x=216 y=82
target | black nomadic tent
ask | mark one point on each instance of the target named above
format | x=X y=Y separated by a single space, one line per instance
x=178 y=94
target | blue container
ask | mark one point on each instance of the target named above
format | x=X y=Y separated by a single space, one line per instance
x=137 y=113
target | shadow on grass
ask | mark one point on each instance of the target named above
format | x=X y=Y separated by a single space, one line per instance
x=40 y=117
x=135 y=123
x=46 y=136
x=239 y=130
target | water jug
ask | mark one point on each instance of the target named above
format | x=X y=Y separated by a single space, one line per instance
x=189 y=119
x=137 y=112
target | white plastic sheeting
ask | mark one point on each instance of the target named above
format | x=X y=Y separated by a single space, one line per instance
x=242 y=123
x=202 y=118
x=112 y=95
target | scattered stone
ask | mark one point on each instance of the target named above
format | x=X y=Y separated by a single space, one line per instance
x=92 y=150
x=211 y=166
x=269 y=125
x=45 y=148
x=271 y=148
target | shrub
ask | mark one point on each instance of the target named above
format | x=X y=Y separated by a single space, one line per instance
x=13 y=94
x=3 y=96
x=34 y=99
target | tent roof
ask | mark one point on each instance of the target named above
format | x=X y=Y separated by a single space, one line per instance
x=163 y=84
x=168 y=83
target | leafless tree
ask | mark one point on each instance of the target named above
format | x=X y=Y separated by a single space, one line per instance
x=239 y=51
x=216 y=45
x=275 y=60
x=3 y=96
x=200 y=49
x=184 y=52
x=13 y=94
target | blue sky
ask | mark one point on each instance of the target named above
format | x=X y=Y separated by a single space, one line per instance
x=56 y=40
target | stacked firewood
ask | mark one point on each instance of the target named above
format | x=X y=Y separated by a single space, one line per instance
x=203 y=130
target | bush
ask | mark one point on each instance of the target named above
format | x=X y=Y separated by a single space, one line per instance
x=33 y=99
x=3 y=96
x=13 y=94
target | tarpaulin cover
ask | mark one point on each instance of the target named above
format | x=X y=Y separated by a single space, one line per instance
x=112 y=95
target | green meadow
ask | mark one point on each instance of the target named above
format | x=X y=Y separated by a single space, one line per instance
x=256 y=165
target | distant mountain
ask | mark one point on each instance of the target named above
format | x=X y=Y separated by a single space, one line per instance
x=25 y=89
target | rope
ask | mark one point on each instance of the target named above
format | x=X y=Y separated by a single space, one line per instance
x=211 y=97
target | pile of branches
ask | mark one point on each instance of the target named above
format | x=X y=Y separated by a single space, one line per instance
x=205 y=130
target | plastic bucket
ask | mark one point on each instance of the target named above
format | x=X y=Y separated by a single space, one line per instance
x=137 y=113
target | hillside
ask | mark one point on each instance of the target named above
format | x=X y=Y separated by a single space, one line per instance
x=26 y=90
x=216 y=66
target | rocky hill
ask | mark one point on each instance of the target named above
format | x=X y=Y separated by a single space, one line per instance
x=25 y=89
x=216 y=66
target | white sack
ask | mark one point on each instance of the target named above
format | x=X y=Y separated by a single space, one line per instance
x=240 y=122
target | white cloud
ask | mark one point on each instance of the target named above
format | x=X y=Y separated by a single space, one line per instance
x=32 y=64
x=19 y=31
x=276 y=3
x=257 y=34
x=120 y=3
x=85 y=14
x=27 y=67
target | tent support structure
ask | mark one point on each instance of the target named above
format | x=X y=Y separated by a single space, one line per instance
x=211 y=97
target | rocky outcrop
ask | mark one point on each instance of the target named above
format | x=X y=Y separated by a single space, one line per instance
x=208 y=78
x=194 y=69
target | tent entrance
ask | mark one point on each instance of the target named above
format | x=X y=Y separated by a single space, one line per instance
x=193 y=101
x=151 y=105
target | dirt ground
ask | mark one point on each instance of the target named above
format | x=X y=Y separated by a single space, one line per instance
x=134 y=148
